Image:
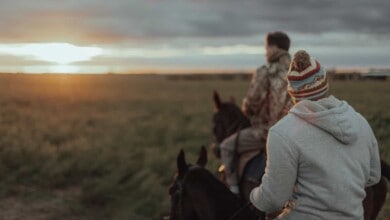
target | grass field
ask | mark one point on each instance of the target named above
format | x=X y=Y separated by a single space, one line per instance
x=104 y=146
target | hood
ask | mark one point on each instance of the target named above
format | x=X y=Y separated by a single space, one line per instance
x=329 y=114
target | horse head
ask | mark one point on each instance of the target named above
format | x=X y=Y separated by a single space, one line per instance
x=181 y=206
x=227 y=118
x=196 y=194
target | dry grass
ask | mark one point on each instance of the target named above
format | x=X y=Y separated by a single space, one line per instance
x=115 y=139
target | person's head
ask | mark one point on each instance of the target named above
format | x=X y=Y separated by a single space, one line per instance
x=307 y=79
x=276 y=40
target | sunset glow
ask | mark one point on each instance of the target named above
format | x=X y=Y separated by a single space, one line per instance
x=58 y=53
x=64 y=69
x=191 y=36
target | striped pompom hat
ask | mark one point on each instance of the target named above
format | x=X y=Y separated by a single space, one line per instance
x=307 y=79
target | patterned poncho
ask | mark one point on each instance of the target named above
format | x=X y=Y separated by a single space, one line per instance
x=267 y=99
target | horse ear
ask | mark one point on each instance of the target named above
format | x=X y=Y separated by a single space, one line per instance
x=217 y=100
x=181 y=163
x=232 y=100
x=202 y=160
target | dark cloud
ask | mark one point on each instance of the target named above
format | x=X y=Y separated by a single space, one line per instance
x=125 y=21
x=322 y=26
x=242 y=18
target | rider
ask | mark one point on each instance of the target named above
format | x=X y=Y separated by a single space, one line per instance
x=266 y=102
x=321 y=156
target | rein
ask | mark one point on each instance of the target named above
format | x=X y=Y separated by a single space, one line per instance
x=233 y=128
x=260 y=214
x=239 y=211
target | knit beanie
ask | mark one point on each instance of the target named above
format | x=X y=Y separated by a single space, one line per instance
x=307 y=79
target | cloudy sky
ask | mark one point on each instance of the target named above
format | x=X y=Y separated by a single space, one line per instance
x=175 y=35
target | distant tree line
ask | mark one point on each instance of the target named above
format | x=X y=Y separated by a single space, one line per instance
x=333 y=74
x=372 y=74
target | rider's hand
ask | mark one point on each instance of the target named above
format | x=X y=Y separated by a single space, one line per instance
x=234 y=189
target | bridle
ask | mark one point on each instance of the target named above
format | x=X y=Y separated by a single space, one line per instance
x=179 y=188
x=178 y=196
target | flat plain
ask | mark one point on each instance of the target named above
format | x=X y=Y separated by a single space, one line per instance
x=104 y=146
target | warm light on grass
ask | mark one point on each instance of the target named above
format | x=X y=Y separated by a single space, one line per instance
x=106 y=141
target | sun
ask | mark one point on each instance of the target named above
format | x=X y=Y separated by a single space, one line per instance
x=64 y=69
x=60 y=53
x=56 y=53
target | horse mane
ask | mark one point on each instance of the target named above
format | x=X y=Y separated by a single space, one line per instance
x=233 y=117
x=230 y=108
x=236 y=111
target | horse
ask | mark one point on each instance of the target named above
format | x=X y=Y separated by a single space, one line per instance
x=196 y=194
x=227 y=120
x=376 y=194
x=227 y=116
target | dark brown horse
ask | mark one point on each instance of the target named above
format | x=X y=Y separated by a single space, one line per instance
x=376 y=194
x=228 y=119
x=196 y=194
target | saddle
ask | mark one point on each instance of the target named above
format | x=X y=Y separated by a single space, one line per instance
x=254 y=168
x=251 y=166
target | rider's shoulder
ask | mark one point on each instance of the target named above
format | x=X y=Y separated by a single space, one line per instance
x=285 y=124
x=268 y=70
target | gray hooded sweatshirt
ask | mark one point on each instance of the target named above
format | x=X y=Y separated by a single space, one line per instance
x=321 y=156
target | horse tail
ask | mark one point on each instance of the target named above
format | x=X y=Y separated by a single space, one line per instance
x=385 y=167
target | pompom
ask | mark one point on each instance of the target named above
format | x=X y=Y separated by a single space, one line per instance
x=301 y=61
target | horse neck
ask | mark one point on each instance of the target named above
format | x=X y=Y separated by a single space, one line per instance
x=244 y=121
x=239 y=121
x=211 y=199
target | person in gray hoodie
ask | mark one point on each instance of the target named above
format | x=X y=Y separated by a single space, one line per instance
x=321 y=155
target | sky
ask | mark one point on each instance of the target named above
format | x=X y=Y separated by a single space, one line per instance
x=120 y=36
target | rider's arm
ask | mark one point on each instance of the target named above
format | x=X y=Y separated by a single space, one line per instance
x=280 y=174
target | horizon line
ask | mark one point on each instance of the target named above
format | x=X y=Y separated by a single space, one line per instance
x=340 y=69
